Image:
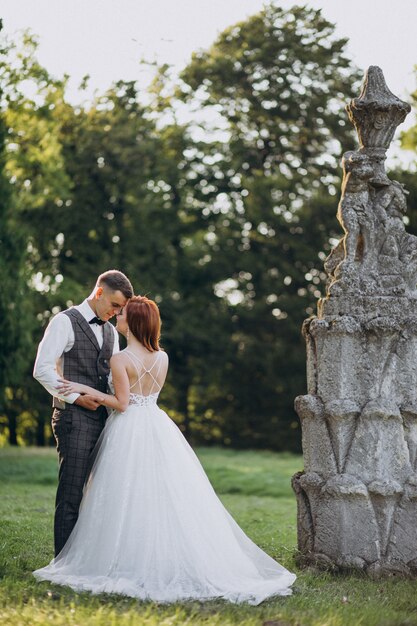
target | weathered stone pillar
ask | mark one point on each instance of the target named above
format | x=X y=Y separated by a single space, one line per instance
x=357 y=496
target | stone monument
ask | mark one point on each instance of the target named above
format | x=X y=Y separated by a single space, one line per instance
x=357 y=496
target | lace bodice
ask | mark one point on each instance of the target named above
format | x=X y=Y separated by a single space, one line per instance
x=138 y=400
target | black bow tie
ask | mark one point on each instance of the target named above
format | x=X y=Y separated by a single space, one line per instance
x=96 y=320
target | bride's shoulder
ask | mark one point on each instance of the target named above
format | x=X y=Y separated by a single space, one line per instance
x=119 y=358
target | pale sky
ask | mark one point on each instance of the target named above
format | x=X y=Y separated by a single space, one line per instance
x=106 y=38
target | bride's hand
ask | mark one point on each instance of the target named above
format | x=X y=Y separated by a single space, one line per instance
x=66 y=387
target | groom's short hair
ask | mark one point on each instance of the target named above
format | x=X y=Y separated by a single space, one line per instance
x=116 y=281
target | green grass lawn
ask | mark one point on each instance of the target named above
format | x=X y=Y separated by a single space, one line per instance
x=254 y=486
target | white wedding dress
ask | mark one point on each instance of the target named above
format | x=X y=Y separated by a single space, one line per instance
x=150 y=524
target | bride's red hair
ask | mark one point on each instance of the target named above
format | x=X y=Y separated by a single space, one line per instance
x=144 y=321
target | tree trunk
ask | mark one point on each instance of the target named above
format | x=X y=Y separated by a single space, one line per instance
x=12 y=422
x=183 y=408
x=40 y=431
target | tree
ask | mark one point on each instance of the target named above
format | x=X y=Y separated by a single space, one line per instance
x=15 y=326
x=278 y=83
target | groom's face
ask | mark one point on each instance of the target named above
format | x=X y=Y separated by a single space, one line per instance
x=109 y=303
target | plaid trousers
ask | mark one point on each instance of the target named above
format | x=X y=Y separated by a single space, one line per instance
x=76 y=434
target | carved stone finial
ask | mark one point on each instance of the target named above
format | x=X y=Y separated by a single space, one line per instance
x=377 y=112
x=376 y=256
x=376 y=115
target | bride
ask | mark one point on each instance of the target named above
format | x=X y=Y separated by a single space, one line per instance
x=150 y=524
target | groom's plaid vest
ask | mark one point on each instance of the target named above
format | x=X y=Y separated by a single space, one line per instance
x=86 y=362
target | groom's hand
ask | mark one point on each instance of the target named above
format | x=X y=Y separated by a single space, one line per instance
x=87 y=402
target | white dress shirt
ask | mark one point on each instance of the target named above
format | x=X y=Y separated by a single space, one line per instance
x=58 y=339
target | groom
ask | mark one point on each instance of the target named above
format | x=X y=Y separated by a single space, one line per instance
x=78 y=344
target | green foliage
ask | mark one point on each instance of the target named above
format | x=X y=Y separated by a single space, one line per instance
x=15 y=324
x=265 y=509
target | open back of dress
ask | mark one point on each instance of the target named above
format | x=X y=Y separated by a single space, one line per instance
x=146 y=389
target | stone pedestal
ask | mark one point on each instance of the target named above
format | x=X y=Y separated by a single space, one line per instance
x=357 y=496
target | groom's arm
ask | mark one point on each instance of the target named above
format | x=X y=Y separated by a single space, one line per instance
x=57 y=340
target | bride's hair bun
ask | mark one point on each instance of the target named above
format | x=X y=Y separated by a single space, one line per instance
x=144 y=321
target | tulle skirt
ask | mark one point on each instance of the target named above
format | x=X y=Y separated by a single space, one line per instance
x=151 y=526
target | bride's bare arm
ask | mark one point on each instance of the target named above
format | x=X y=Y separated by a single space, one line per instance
x=120 y=400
